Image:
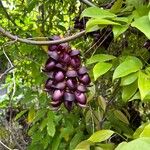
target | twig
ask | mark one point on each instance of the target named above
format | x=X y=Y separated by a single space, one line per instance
x=6 y=72
x=87 y=2
x=6 y=146
x=67 y=39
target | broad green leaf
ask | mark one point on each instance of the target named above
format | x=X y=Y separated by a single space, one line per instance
x=101 y=135
x=144 y=84
x=116 y=6
x=43 y=124
x=136 y=96
x=99 y=58
x=149 y=15
x=102 y=102
x=95 y=12
x=139 y=130
x=130 y=65
x=129 y=79
x=121 y=116
x=100 y=69
x=146 y=131
x=118 y=30
x=99 y=21
x=76 y=139
x=50 y=124
x=129 y=90
x=137 y=144
x=84 y=145
x=108 y=146
x=142 y=24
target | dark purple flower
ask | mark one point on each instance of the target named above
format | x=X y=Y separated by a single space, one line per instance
x=75 y=62
x=60 y=85
x=85 y=79
x=61 y=67
x=59 y=76
x=57 y=95
x=71 y=83
x=65 y=58
x=81 y=88
x=82 y=70
x=69 y=96
x=48 y=84
x=53 y=48
x=71 y=73
x=74 y=52
x=68 y=105
x=54 y=55
x=80 y=97
x=50 y=64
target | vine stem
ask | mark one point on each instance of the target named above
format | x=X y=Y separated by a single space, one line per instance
x=34 y=42
x=88 y=3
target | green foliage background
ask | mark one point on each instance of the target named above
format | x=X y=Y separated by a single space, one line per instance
x=118 y=100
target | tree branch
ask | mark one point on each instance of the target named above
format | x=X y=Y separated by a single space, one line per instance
x=67 y=39
x=87 y=2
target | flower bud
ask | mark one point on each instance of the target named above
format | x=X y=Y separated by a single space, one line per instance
x=82 y=71
x=53 y=48
x=85 y=79
x=71 y=83
x=50 y=64
x=75 y=62
x=53 y=55
x=60 y=85
x=57 y=95
x=80 y=97
x=68 y=105
x=69 y=96
x=81 y=88
x=74 y=53
x=71 y=73
x=48 y=84
x=59 y=76
x=65 y=58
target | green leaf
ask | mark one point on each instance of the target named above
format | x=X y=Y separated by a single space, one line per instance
x=129 y=90
x=130 y=65
x=100 y=69
x=129 y=79
x=102 y=102
x=146 y=131
x=99 y=58
x=101 y=135
x=121 y=116
x=99 y=21
x=139 y=130
x=118 y=30
x=31 y=115
x=76 y=139
x=84 y=145
x=20 y=114
x=116 y=6
x=138 y=144
x=50 y=124
x=142 y=24
x=136 y=96
x=95 y=12
x=149 y=15
x=143 y=84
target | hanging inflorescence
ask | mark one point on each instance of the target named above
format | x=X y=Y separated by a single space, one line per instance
x=67 y=79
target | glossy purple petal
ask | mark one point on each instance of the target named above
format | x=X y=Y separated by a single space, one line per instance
x=57 y=95
x=81 y=88
x=60 y=85
x=69 y=96
x=54 y=55
x=48 y=84
x=75 y=62
x=71 y=83
x=74 y=52
x=59 y=76
x=50 y=64
x=71 y=73
x=85 y=79
x=80 y=97
x=52 y=48
x=65 y=58
x=82 y=70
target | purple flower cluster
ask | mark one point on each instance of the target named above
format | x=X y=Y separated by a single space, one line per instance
x=67 y=79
